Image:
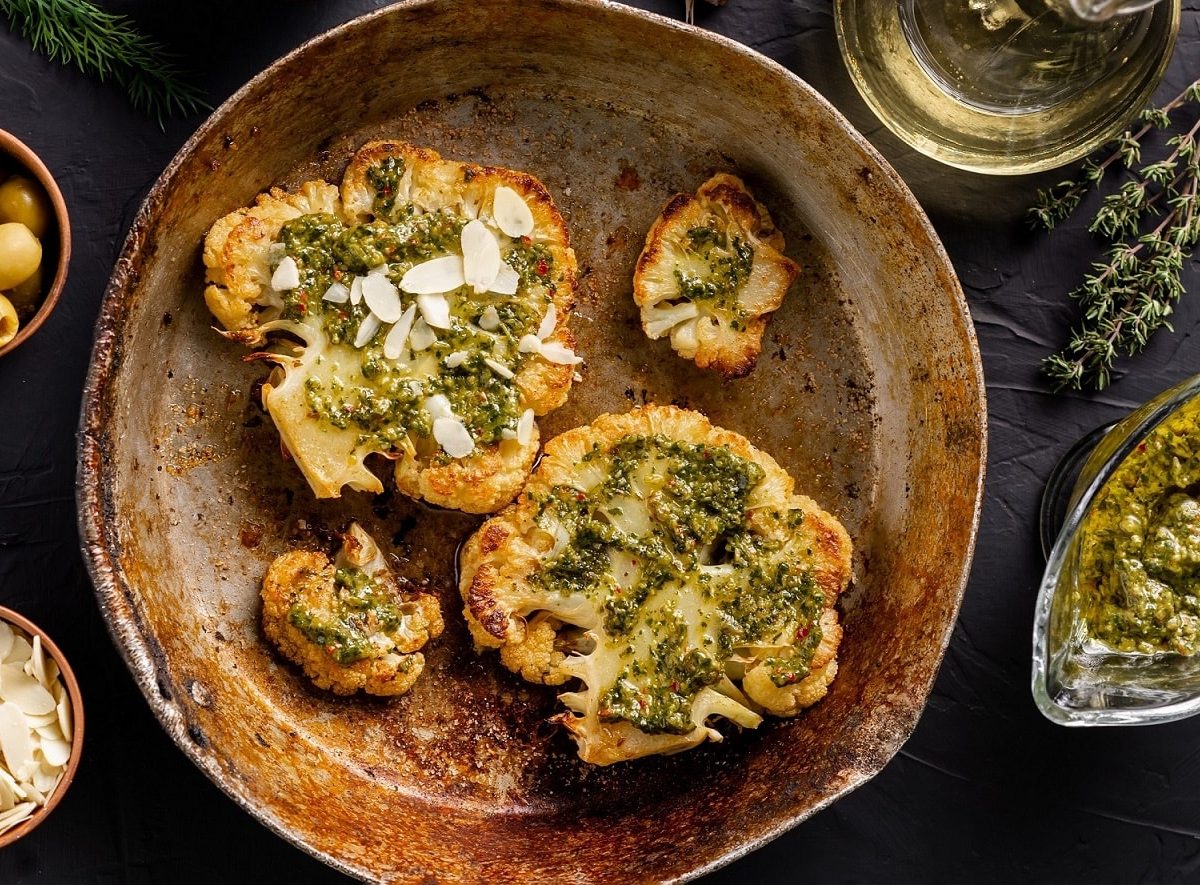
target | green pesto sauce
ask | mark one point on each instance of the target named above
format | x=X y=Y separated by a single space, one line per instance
x=360 y=608
x=383 y=399
x=1140 y=545
x=730 y=260
x=696 y=496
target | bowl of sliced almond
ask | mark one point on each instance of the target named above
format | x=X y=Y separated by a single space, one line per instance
x=41 y=726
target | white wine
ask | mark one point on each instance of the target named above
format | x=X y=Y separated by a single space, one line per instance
x=1004 y=86
x=1015 y=57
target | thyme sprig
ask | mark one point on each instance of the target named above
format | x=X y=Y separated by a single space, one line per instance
x=109 y=47
x=1153 y=223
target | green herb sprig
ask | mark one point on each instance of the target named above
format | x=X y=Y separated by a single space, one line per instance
x=109 y=47
x=1153 y=223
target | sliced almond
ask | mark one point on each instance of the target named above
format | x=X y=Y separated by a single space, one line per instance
x=43 y=721
x=438 y=406
x=512 y=213
x=481 y=256
x=549 y=321
x=286 y=275
x=18 y=652
x=435 y=309
x=64 y=717
x=499 y=368
x=336 y=294
x=6 y=639
x=529 y=344
x=554 y=352
x=57 y=753
x=49 y=731
x=366 y=330
x=16 y=686
x=397 y=336
x=456 y=359
x=38 y=659
x=35 y=795
x=16 y=743
x=356 y=290
x=507 y=280
x=8 y=798
x=422 y=336
x=434 y=277
x=454 y=438
x=382 y=298
x=18 y=814
x=525 y=427
x=489 y=320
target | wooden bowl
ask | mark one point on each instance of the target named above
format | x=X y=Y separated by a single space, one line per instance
x=56 y=245
x=869 y=392
x=72 y=684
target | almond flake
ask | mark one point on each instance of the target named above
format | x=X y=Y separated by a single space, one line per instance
x=525 y=427
x=366 y=330
x=434 y=277
x=356 y=290
x=16 y=686
x=16 y=743
x=64 y=717
x=378 y=270
x=382 y=298
x=422 y=336
x=8 y=798
x=529 y=344
x=38 y=660
x=397 y=336
x=549 y=321
x=286 y=276
x=18 y=814
x=481 y=256
x=57 y=753
x=511 y=213
x=554 y=352
x=435 y=309
x=454 y=438
x=456 y=359
x=489 y=320
x=6 y=639
x=507 y=280
x=336 y=294
x=499 y=368
x=438 y=406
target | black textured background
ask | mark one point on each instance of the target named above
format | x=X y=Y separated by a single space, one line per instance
x=985 y=791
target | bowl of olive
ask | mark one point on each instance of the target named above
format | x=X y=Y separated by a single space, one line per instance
x=35 y=242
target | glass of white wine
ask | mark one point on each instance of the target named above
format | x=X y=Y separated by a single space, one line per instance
x=1006 y=86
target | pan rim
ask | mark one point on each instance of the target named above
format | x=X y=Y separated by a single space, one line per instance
x=94 y=489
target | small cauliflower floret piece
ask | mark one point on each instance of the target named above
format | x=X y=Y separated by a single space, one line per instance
x=664 y=570
x=349 y=623
x=420 y=313
x=710 y=274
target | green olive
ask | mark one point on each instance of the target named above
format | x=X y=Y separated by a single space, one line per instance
x=23 y=201
x=20 y=254
x=25 y=296
x=8 y=321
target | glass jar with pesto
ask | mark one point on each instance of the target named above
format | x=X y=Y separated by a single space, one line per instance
x=1117 y=627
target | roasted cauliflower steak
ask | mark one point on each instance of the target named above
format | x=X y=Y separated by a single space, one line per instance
x=664 y=572
x=711 y=273
x=420 y=312
x=349 y=623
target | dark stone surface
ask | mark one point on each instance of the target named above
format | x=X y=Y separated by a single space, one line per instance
x=985 y=791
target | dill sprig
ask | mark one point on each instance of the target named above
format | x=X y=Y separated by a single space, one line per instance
x=1153 y=223
x=109 y=47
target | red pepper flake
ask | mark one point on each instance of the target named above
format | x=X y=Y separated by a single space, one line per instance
x=802 y=633
x=337 y=273
x=675 y=686
x=542 y=267
x=580 y=496
x=526 y=240
x=1141 y=446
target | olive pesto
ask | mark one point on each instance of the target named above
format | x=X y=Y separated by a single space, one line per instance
x=361 y=608
x=384 y=399
x=664 y=516
x=729 y=260
x=1139 y=559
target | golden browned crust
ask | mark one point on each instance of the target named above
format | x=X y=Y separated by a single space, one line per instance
x=306 y=578
x=708 y=337
x=506 y=610
x=237 y=256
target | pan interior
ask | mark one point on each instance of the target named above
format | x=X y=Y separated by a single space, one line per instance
x=867 y=392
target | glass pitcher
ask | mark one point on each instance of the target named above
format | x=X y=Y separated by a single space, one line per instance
x=1006 y=86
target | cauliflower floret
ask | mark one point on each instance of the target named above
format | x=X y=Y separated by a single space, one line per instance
x=349 y=624
x=368 y=363
x=710 y=274
x=666 y=570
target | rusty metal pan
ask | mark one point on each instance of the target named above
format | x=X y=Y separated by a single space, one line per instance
x=869 y=391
